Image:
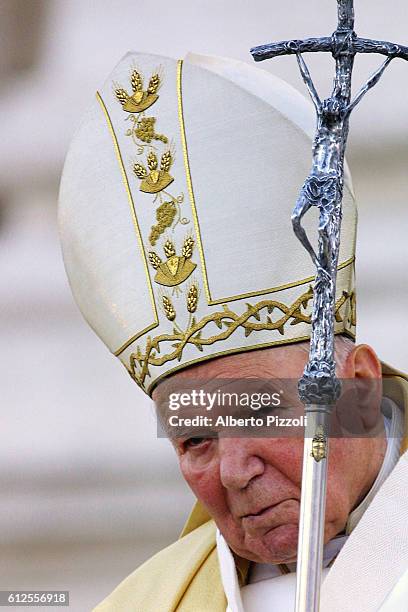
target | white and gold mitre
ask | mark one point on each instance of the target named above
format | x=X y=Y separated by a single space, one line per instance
x=175 y=210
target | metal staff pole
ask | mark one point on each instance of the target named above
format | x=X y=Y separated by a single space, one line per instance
x=319 y=388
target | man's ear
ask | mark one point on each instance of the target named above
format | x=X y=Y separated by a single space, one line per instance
x=362 y=369
x=362 y=362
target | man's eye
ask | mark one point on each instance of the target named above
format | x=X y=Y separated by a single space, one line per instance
x=194 y=442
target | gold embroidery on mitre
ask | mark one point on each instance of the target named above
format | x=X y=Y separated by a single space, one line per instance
x=154 y=179
x=143 y=132
x=168 y=307
x=351 y=317
x=192 y=297
x=140 y=99
x=177 y=268
x=168 y=214
x=165 y=215
x=250 y=321
x=143 y=129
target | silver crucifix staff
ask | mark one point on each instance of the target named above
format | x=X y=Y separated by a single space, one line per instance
x=319 y=388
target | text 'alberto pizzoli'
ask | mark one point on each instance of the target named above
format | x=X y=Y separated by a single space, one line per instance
x=230 y=421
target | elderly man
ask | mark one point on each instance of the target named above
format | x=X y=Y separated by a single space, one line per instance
x=175 y=222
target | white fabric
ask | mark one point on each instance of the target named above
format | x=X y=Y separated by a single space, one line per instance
x=229 y=576
x=378 y=547
x=266 y=86
x=248 y=139
x=269 y=590
x=397 y=600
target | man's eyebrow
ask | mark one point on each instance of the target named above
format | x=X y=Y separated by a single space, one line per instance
x=193 y=433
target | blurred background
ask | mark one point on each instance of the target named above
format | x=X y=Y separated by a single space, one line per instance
x=87 y=490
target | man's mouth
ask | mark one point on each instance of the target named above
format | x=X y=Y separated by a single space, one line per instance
x=264 y=509
x=270 y=516
x=259 y=512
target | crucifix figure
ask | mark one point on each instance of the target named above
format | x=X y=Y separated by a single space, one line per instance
x=319 y=388
x=323 y=188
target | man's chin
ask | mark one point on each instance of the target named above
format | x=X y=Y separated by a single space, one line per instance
x=278 y=545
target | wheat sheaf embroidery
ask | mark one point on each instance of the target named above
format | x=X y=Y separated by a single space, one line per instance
x=154 y=178
x=255 y=318
x=177 y=268
x=140 y=99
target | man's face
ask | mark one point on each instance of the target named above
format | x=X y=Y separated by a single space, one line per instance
x=251 y=486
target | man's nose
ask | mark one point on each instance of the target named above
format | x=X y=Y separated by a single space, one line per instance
x=239 y=462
